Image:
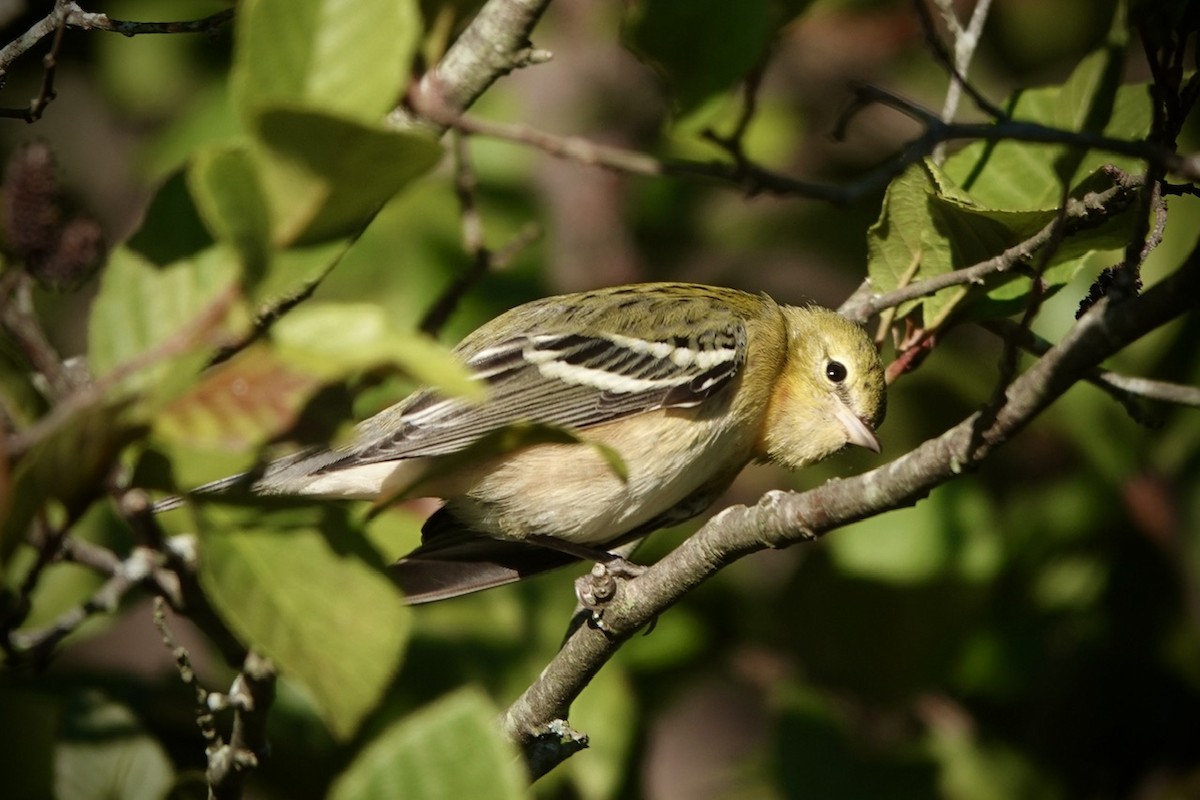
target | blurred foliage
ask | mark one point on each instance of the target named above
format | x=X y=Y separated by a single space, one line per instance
x=1031 y=630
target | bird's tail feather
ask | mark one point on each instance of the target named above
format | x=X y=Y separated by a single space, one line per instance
x=445 y=568
x=242 y=479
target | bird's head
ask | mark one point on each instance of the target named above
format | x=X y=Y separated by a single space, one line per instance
x=831 y=392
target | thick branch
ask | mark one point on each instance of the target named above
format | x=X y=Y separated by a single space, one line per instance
x=786 y=518
x=493 y=45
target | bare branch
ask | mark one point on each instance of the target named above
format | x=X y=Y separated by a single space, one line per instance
x=91 y=21
x=1125 y=388
x=187 y=674
x=37 y=106
x=67 y=13
x=18 y=319
x=956 y=63
x=493 y=45
x=753 y=179
x=251 y=696
x=123 y=576
x=965 y=42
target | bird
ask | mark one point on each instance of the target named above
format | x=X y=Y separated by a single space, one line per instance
x=664 y=392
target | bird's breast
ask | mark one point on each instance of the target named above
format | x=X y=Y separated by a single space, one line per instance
x=572 y=491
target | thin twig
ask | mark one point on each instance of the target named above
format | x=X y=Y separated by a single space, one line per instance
x=273 y=313
x=956 y=63
x=37 y=106
x=754 y=179
x=47 y=541
x=1125 y=388
x=251 y=696
x=187 y=674
x=123 y=576
x=67 y=13
x=18 y=318
x=465 y=187
x=965 y=42
x=91 y=21
x=734 y=143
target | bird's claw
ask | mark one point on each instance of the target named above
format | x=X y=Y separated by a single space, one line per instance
x=598 y=588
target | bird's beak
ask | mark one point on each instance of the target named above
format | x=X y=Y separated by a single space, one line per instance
x=857 y=431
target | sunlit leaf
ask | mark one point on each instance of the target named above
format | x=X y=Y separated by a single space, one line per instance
x=161 y=322
x=353 y=58
x=451 y=749
x=224 y=182
x=929 y=227
x=326 y=175
x=334 y=340
x=307 y=591
x=1015 y=175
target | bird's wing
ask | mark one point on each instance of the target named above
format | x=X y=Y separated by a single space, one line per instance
x=552 y=374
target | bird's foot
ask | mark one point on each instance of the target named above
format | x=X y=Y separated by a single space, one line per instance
x=598 y=588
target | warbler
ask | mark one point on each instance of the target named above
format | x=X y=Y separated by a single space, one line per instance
x=685 y=383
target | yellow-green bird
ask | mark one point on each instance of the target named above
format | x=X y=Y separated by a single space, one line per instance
x=686 y=383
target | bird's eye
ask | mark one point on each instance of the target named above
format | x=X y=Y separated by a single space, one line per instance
x=835 y=371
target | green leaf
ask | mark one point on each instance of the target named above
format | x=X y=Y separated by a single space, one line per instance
x=1022 y=175
x=929 y=227
x=904 y=245
x=724 y=41
x=156 y=322
x=448 y=750
x=172 y=229
x=327 y=175
x=223 y=180
x=306 y=590
x=956 y=532
x=335 y=340
x=607 y=710
x=104 y=753
x=351 y=58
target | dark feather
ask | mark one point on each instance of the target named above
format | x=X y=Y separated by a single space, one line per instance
x=452 y=561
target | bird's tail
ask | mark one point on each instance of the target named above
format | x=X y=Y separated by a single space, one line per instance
x=453 y=560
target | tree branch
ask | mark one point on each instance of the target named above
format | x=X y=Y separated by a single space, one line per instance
x=67 y=13
x=493 y=45
x=754 y=179
x=251 y=697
